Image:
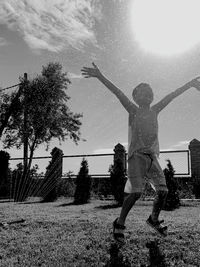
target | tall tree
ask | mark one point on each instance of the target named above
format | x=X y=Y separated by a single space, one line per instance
x=117 y=181
x=83 y=184
x=172 y=200
x=47 y=114
x=9 y=104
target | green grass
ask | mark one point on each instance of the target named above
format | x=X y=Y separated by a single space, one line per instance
x=60 y=234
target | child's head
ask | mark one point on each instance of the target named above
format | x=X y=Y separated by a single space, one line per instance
x=143 y=94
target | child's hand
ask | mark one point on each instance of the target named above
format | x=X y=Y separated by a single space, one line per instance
x=91 y=72
x=195 y=83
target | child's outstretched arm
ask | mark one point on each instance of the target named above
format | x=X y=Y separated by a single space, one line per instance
x=95 y=72
x=166 y=100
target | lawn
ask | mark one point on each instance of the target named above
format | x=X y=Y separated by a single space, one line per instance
x=61 y=234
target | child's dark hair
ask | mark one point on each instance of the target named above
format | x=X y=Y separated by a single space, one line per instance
x=143 y=86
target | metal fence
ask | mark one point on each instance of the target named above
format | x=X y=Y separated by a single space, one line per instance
x=99 y=163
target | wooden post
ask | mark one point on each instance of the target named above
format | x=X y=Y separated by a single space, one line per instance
x=25 y=125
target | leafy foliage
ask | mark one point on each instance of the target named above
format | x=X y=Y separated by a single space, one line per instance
x=196 y=187
x=20 y=186
x=117 y=181
x=101 y=187
x=52 y=176
x=4 y=174
x=48 y=115
x=44 y=102
x=83 y=184
x=172 y=201
x=66 y=186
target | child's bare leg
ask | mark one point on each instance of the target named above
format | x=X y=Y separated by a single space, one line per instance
x=118 y=224
x=158 y=203
x=129 y=201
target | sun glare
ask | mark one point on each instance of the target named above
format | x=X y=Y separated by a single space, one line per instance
x=166 y=27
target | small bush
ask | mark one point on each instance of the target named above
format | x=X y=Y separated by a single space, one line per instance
x=117 y=181
x=185 y=188
x=101 y=187
x=66 y=186
x=172 y=201
x=21 y=187
x=52 y=176
x=83 y=184
x=196 y=187
x=4 y=174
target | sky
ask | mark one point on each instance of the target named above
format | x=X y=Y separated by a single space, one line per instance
x=131 y=41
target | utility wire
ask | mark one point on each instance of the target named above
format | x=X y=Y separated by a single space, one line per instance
x=3 y=89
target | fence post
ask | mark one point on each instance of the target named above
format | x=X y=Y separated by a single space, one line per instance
x=120 y=154
x=194 y=148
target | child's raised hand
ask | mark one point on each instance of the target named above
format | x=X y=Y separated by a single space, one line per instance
x=195 y=83
x=91 y=72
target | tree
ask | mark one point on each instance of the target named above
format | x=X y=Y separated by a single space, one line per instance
x=172 y=200
x=117 y=181
x=4 y=174
x=17 y=181
x=7 y=109
x=83 y=184
x=196 y=186
x=52 y=177
x=47 y=113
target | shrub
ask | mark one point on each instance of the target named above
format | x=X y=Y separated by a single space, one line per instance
x=4 y=174
x=185 y=188
x=172 y=201
x=22 y=186
x=101 y=187
x=117 y=181
x=83 y=184
x=66 y=186
x=196 y=187
x=52 y=176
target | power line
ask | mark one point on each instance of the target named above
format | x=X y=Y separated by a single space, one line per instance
x=10 y=87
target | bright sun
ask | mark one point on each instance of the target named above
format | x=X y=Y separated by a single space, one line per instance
x=166 y=27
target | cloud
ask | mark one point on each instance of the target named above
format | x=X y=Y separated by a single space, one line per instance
x=103 y=151
x=74 y=75
x=108 y=150
x=3 y=41
x=179 y=145
x=52 y=25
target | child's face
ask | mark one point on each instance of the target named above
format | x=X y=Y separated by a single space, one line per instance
x=143 y=97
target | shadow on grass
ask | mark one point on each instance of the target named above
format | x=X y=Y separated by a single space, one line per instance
x=72 y=204
x=27 y=203
x=67 y=204
x=109 y=206
x=116 y=257
x=5 y=200
x=156 y=257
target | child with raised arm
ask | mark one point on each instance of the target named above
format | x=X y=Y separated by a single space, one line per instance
x=143 y=148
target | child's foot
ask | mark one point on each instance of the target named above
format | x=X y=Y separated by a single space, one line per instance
x=157 y=226
x=118 y=232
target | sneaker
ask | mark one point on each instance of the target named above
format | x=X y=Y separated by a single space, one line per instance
x=157 y=226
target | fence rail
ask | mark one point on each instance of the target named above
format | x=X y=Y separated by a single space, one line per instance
x=186 y=160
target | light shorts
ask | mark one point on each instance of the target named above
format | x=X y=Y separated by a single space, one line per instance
x=143 y=168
